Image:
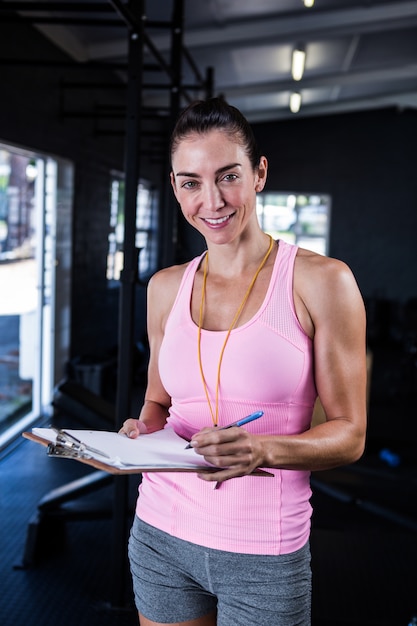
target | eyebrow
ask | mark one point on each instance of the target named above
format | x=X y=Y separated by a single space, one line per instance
x=225 y=168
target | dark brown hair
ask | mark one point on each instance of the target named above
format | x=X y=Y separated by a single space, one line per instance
x=203 y=116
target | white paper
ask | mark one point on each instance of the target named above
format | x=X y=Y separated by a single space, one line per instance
x=163 y=448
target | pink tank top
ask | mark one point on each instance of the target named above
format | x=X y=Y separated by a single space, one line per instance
x=268 y=366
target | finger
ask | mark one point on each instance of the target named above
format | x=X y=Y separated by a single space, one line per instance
x=234 y=452
x=223 y=475
x=130 y=428
x=215 y=441
x=203 y=438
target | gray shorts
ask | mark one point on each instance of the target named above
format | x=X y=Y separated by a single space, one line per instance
x=176 y=581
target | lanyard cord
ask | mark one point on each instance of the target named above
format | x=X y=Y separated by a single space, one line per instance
x=215 y=414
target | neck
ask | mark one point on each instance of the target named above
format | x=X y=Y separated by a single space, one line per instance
x=238 y=257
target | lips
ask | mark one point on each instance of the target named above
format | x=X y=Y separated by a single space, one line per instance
x=218 y=221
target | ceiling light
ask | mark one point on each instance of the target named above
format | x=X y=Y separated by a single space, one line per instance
x=298 y=63
x=295 y=102
x=308 y=3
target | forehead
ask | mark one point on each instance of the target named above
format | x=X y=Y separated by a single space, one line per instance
x=214 y=145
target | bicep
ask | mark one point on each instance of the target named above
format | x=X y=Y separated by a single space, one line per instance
x=155 y=391
x=156 y=317
x=340 y=348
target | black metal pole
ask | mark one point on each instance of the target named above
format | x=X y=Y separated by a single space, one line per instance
x=127 y=296
x=170 y=219
x=209 y=82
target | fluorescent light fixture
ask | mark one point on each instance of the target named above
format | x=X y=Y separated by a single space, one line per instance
x=295 y=102
x=308 y=3
x=298 y=63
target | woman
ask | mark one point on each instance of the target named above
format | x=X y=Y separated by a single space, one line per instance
x=251 y=325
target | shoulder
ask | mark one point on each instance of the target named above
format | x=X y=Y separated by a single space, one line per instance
x=166 y=282
x=167 y=276
x=321 y=269
x=323 y=287
x=162 y=290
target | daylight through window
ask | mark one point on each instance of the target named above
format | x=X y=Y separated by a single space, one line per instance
x=145 y=239
x=302 y=219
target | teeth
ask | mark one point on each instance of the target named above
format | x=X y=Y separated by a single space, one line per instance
x=220 y=220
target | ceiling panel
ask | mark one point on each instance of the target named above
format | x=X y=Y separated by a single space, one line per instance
x=359 y=54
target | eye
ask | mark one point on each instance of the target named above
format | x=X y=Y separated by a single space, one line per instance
x=230 y=177
x=189 y=184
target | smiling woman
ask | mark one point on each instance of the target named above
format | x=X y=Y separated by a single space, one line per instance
x=251 y=325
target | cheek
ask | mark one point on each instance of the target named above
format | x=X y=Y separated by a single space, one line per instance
x=187 y=206
x=237 y=197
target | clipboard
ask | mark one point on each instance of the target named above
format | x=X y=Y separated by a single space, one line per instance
x=161 y=451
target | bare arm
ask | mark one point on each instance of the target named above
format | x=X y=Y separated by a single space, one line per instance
x=330 y=308
x=161 y=293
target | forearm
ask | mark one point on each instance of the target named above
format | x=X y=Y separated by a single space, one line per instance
x=153 y=415
x=331 y=444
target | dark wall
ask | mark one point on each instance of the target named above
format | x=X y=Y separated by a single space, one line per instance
x=367 y=162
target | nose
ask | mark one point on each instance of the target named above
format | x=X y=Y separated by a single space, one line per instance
x=212 y=198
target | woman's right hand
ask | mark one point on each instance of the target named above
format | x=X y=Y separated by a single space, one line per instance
x=132 y=428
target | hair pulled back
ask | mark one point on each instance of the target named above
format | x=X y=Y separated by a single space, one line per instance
x=203 y=116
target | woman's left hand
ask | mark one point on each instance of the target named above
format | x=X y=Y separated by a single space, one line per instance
x=234 y=449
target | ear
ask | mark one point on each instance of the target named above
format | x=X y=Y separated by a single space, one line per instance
x=261 y=174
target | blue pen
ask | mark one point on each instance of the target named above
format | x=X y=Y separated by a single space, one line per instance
x=244 y=420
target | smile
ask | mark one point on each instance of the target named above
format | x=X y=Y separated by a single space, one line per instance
x=219 y=220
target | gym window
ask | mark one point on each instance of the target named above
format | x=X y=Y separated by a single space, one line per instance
x=298 y=218
x=146 y=224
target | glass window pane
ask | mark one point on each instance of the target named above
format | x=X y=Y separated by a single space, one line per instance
x=145 y=239
x=298 y=218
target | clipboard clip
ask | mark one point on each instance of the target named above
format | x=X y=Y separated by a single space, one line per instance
x=68 y=446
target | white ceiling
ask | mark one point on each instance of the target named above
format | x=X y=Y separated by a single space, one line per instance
x=359 y=54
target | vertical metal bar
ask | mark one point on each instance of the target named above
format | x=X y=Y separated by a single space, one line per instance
x=170 y=221
x=209 y=83
x=127 y=294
